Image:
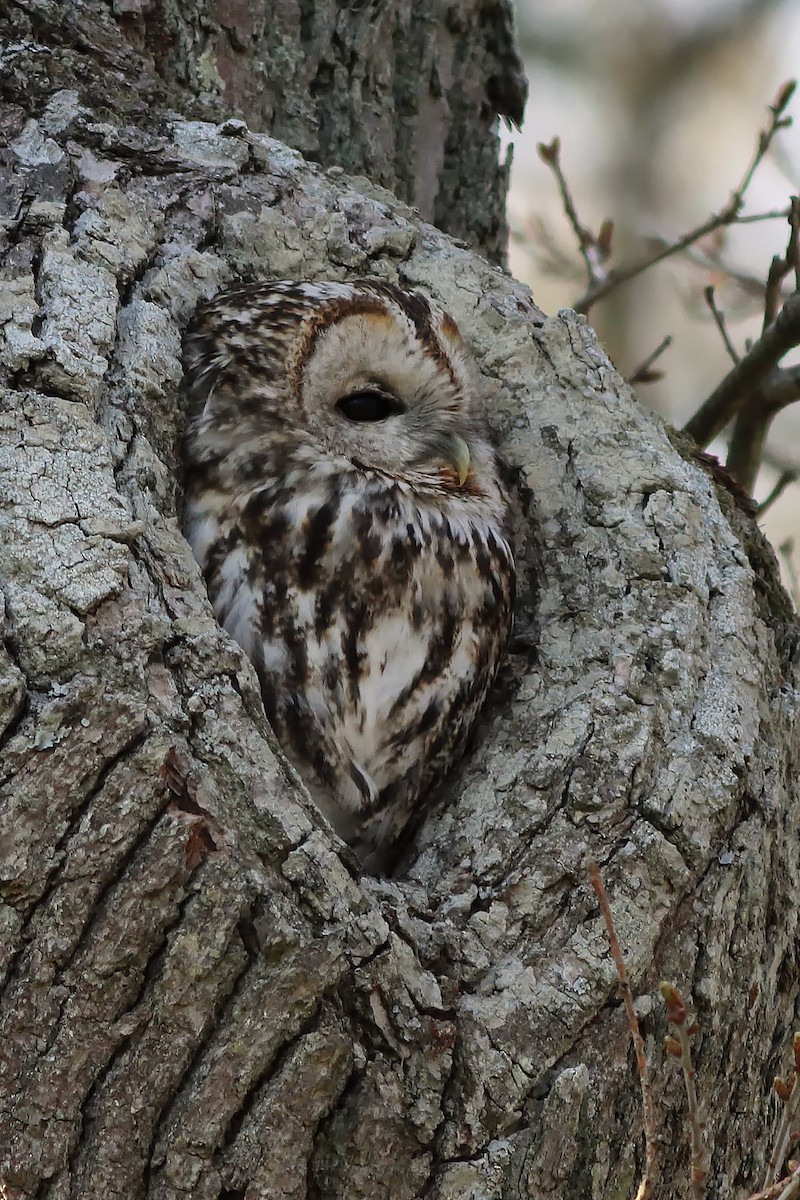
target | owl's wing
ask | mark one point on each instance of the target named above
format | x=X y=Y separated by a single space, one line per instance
x=340 y=787
x=383 y=834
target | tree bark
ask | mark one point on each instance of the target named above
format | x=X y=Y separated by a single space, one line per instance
x=404 y=92
x=200 y=996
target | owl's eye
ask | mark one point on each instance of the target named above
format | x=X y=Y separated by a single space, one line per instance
x=369 y=405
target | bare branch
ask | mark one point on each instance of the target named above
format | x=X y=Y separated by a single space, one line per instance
x=779 y=388
x=539 y=241
x=746 y=451
x=593 y=250
x=624 y=274
x=719 y=317
x=772 y=293
x=781 y=267
x=788 y=1091
x=643 y=373
x=752 y=285
x=680 y=1047
x=784 y=481
x=751 y=218
x=650 y=1142
x=732 y=393
x=793 y=250
x=792 y=1188
x=782 y=388
x=727 y=215
x=779 y=121
x=776 y=1192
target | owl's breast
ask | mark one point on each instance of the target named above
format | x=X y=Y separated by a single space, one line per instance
x=422 y=616
x=376 y=624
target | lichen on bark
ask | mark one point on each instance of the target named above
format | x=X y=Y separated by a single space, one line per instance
x=407 y=93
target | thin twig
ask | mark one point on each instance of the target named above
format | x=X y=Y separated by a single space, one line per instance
x=776 y=1190
x=650 y=1143
x=699 y=1170
x=779 y=121
x=792 y=1188
x=785 y=480
x=622 y=275
x=538 y=240
x=752 y=218
x=781 y=267
x=681 y=1047
x=793 y=253
x=789 y=1093
x=751 y=285
x=550 y=154
x=773 y=291
x=727 y=215
x=643 y=374
x=719 y=317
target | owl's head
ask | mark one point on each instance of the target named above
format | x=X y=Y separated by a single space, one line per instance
x=363 y=372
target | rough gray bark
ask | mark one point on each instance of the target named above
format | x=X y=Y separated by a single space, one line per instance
x=199 y=996
x=404 y=92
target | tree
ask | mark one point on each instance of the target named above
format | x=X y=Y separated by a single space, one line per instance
x=200 y=995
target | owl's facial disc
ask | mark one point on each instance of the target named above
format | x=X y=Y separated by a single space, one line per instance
x=372 y=404
x=375 y=392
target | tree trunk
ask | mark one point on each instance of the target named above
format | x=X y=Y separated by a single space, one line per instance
x=199 y=995
x=404 y=92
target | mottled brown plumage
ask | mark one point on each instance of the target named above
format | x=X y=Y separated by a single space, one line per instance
x=344 y=505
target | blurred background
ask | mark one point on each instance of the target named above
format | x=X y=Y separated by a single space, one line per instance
x=658 y=105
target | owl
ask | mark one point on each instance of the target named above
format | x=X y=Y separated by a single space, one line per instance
x=344 y=505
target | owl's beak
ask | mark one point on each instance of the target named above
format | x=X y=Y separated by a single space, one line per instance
x=457 y=455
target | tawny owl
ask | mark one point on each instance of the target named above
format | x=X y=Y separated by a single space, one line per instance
x=344 y=504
